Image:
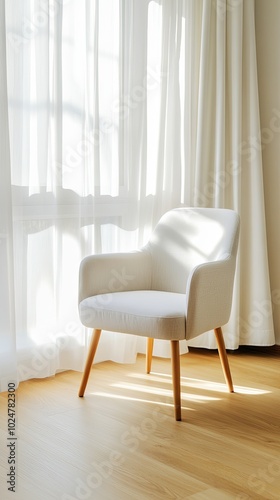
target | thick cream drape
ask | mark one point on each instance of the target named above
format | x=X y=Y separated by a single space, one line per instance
x=225 y=167
x=118 y=111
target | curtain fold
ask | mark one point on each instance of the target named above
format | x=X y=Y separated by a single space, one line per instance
x=223 y=171
x=8 y=368
x=120 y=110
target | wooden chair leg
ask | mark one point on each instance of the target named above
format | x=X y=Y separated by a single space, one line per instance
x=90 y=357
x=224 y=358
x=175 y=359
x=149 y=354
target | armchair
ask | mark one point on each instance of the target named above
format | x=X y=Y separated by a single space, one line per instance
x=178 y=286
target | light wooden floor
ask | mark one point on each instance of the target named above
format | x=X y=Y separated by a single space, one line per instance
x=121 y=441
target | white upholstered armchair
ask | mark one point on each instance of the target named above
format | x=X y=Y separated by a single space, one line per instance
x=176 y=287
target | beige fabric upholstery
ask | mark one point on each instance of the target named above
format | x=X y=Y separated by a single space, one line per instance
x=149 y=313
x=176 y=287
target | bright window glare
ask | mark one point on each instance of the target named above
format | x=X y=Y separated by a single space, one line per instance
x=182 y=71
x=33 y=175
x=44 y=303
x=108 y=68
x=44 y=313
x=153 y=92
x=115 y=238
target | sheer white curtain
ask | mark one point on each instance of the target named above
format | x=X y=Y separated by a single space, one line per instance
x=7 y=327
x=118 y=111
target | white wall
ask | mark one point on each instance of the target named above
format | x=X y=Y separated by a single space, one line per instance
x=268 y=59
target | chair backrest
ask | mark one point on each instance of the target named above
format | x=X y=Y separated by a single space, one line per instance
x=187 y=237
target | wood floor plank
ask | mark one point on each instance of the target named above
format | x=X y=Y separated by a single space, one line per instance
x=121 y=441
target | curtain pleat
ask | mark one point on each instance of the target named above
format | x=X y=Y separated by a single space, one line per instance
x=8 y=369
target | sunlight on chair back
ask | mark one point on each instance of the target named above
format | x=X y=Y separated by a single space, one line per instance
x=187 y=237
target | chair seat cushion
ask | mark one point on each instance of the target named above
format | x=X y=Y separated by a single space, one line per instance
x=149 y=313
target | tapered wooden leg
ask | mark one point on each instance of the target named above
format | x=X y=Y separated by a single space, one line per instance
x=90 y=357
x=224 y=358
x=149 y=354
x=175 y=359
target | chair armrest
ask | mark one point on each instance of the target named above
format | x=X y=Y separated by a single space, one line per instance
x=209 y=296
x=114 y=272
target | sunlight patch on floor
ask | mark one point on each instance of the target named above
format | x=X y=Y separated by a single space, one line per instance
x=200 y=384
x=162 y=392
